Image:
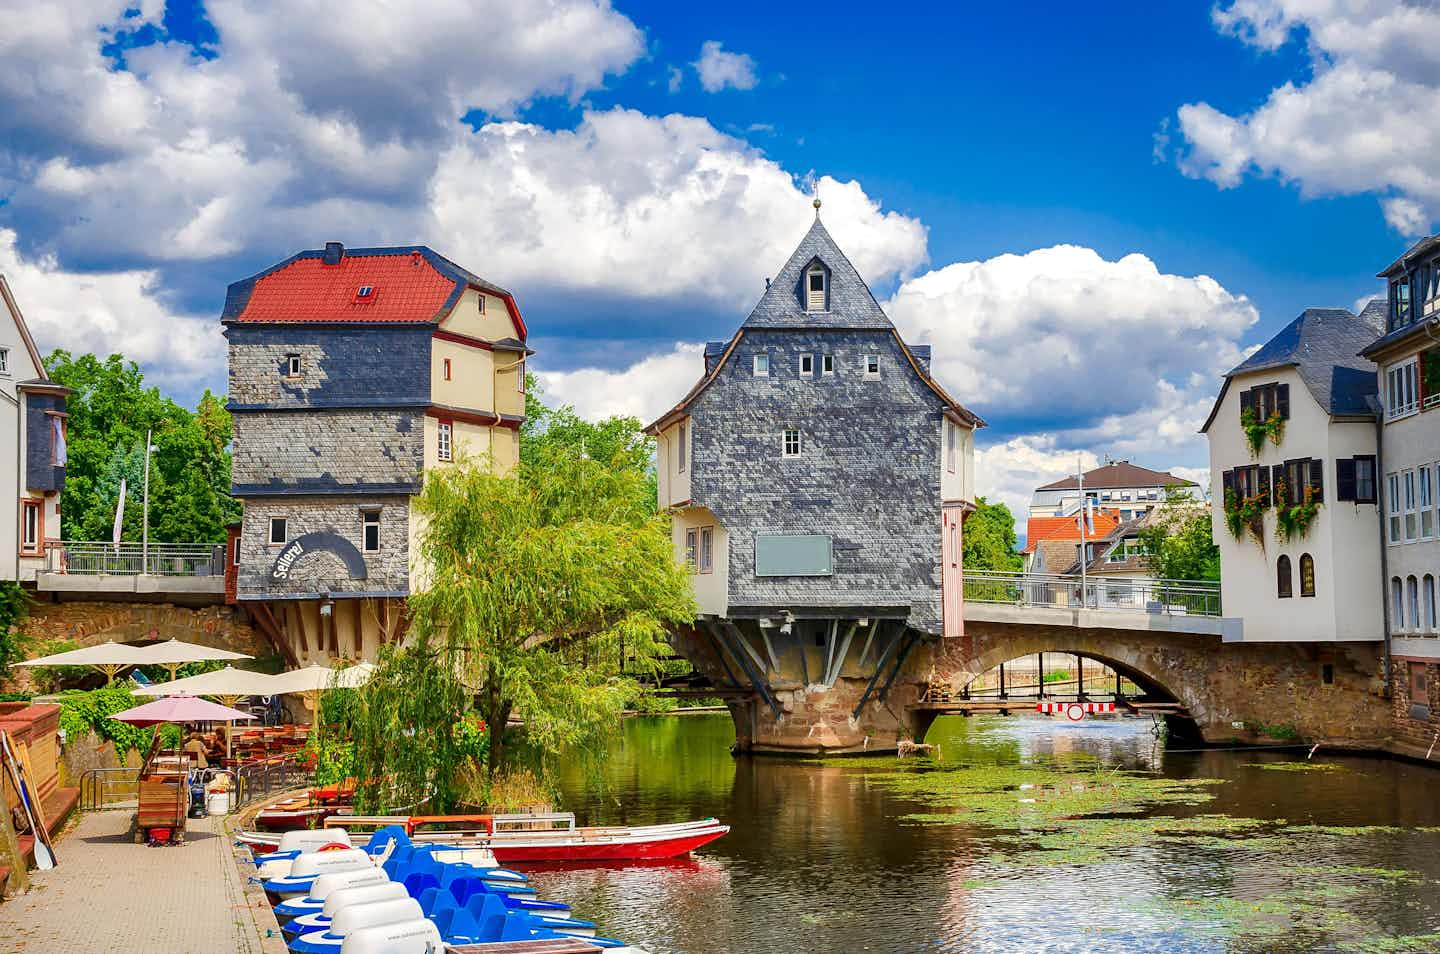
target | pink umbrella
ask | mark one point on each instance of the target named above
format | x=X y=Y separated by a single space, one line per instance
x=180 y=710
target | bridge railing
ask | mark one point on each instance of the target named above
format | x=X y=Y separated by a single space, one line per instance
x=95 y=558
x=1119 y=594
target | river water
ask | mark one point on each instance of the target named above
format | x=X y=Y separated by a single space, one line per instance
x=1023 y=835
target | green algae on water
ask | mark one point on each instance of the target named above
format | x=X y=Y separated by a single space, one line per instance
x=1298 y=766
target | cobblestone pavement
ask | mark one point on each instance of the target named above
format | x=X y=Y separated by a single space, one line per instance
x=111 y=895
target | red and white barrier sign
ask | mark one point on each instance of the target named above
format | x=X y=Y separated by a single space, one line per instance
x=1074 y=711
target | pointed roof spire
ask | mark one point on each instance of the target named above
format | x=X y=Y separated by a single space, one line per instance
x=851 y=303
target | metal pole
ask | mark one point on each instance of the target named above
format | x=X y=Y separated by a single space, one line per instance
x=1080 y=676
x=1080 y=472
x=145 y=519
x=1040 y=675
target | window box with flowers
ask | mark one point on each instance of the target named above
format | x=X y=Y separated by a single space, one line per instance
x=1293 y=519
x=1258 y=431
x=1246 y=513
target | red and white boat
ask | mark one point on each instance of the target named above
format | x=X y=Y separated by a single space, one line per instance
x=533 y=837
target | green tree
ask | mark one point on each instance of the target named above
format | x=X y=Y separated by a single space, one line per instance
x=535 y=584
x=989 y=538
x=620 y=440
x=14 y=606
x=1179 y=540
x=110 y=412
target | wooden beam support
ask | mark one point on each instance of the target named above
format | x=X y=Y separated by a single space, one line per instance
x=873 y=625
x=720 y=654
x=756 y=678
x=838 y=663
x=770 y=649
x=879 y=666
x=260 y=612
x=914 y=638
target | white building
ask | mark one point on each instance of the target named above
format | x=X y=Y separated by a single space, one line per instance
x=1311 y=469
x=1129 y=490
x=1408 y=355
x=32 y=441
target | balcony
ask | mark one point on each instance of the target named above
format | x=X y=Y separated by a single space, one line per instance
x=97 y=567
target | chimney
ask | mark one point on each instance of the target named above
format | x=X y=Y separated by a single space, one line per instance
x=334 y=252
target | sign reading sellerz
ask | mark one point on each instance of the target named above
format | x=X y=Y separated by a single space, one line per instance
x=293 y=551
x=309 y=543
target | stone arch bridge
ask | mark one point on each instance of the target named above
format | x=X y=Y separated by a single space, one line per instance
x=828 y=687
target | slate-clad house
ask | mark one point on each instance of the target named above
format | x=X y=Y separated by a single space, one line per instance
x=32 y=433
x=352 y=372
x=1316 y=396
x=818 y=477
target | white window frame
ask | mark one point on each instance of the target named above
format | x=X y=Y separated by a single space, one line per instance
x=1409 y=506
x=807 y=366
x=1392 y=506
x=1412 y=600
x=284 y=524
x=827 y=364
x=480 y=303
x=445 y=369
x=952 y=446
x=760 y=365
x=1425 y=477
x=1397 y=604
x=824 y=289
x=680 y=450
x=235 y=552
x=872 y=366
x=1402 y=388
x=692 y=548
x=789 y=436
x=706 y=553
x=520 y=377
x=444 y=441
x=4 y=360
x=369 y=518
x=1427 y=586
x=31 y=531
x=294 y=366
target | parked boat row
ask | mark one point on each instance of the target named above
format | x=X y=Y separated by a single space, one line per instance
x=393 y=895
x=539 y=837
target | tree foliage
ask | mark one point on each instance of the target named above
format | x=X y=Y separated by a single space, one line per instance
x=110 y=412
x=14 y=606
x=1179 y=541
x=619 y=440
x=535 y=583
x=989 y=538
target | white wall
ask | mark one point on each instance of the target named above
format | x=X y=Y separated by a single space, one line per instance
x=957 y=485
x=711 y=589
x=1343 y=538
x=19 y=367
x=673 y=482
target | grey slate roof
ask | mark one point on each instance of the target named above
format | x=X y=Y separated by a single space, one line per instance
x=851 y=303
x=1323 y=345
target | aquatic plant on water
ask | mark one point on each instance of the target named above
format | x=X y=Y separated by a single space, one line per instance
x=1292 y=521
x=1257 y=432
x=1246 y=514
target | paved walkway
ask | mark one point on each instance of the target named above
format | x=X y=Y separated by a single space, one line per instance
x=111 y=895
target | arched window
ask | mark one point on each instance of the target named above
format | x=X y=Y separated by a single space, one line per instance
x=1307 y=575
x=1397 y=605
x=1429 y=617
x=1283 y=583
x=1412 y=593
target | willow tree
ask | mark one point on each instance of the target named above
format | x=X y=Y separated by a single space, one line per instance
x=535 y=585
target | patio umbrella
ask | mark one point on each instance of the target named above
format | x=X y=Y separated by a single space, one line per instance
x=181 y=710
x=312 y=680
x=172 y=654
x=109 y=658
x=229 y=685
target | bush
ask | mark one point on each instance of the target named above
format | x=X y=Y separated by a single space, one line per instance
x=82 y=712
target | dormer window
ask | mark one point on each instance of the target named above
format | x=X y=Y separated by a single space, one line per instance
x=762 y=365
x=815 y=288
x=1431 y=297
x=1400 y=302
x=872 y=366
x=365 y=293
x=292 y=366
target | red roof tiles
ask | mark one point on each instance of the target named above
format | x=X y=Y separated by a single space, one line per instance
x=1068 y=528
x=405 y=288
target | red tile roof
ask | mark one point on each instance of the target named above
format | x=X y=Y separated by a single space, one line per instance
x=1068 y=528
x=406 y=288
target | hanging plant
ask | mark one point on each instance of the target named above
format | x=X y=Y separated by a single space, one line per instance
x=1248 y=513
x=1257 y=432
x=1292 y=521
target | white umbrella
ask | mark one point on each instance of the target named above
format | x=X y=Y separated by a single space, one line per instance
x=312 y=680
x=109 y=658
x=172 y=654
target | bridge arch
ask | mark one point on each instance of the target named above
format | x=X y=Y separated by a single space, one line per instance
x=1151 y=688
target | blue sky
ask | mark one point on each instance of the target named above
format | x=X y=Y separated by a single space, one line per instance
x=1089 y=212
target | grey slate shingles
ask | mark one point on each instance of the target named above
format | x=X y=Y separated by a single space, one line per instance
x=1323 y=345
x=851 y=303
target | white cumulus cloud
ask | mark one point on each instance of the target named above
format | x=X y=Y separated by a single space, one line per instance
x=111 y=312
x=645 y=389
x=1360 y=122
x=719 y=68
x=647 y=207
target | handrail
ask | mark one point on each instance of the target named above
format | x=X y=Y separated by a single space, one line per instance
x=1104 y=593
x=101 y=558
x=100 y=786
x=268 y=776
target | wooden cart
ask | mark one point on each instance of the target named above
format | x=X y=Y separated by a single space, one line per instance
x=164 y=793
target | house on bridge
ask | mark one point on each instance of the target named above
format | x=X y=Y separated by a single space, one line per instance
x=817 y=476
x=1292 y=453
x=352 y=373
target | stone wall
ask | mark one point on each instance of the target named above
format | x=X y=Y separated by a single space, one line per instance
x=868 y=474
x=388 y=571
x=324 y=451
x=1416 y=721
x=91 y=623
x=358 y=366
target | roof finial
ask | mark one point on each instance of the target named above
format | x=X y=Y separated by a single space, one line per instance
x=816 y=203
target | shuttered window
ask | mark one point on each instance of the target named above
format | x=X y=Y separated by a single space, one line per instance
x=1267 y=400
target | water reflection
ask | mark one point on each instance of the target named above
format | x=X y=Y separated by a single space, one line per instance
x=821 y=859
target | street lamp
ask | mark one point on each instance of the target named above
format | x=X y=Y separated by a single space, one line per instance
x=145 y=517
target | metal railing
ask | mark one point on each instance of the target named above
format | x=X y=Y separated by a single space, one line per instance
x=1121 y=594
x=265 y=777
x=103 y=788
x=95 y=558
